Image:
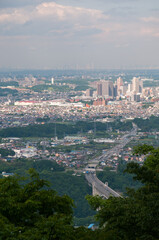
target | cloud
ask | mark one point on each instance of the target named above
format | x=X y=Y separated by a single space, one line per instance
x=150 y=32
x=50 y=10
x=55 y=20
x=150 y=26
x=49 y=17
x=150 y=19
x=38 y=33
x=124 y=45
x=16 y=17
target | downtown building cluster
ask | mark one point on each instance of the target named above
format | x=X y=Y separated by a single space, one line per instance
x=106 y=89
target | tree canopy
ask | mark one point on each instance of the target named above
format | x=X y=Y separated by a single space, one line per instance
x=32 y=210
x=137 y=215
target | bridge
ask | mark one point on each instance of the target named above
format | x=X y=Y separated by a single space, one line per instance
x=99 y=188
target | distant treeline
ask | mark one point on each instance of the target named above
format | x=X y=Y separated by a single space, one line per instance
x=6 y=91
x=61 y=129
x=6 y=152
x=9 y=83
x=151 y=83
x=71 y=128
x=53 y=88
x=44 y=119
x=151 y=124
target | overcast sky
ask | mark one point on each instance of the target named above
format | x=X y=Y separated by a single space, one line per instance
x=108 y=34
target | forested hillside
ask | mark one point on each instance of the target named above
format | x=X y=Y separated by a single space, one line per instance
x=63 y=182
x=30 y=209
x=48 y=129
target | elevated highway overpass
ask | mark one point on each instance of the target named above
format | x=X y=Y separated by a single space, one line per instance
x=99 y=188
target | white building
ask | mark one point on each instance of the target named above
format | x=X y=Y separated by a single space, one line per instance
x=52 y=81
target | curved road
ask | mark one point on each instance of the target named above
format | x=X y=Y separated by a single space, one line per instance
x=103 y=190
x=92 y=179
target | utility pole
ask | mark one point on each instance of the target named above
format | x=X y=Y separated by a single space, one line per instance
x=55 y=132
x=95 y=129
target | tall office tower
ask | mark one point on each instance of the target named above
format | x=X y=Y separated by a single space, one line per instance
x=119 y=84
x=105 y=88
x=135 y=85
x=140 y=86
x=52 y=81
x=135 y=97
x=89 y=92
x=129 y=87
x=123 y=89
x=111 y=89
x=99 y=89
x=115 y=90
x=138 y=97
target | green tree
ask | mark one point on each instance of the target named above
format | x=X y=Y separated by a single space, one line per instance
x=33 y=211
x=6 y=152
x=137 y=215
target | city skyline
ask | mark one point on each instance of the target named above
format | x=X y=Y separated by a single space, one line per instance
x=70 y=34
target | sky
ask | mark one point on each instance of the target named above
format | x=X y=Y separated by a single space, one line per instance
x=79 y=34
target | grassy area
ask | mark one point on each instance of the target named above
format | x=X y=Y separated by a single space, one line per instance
x=91 y=146
x=147 y=140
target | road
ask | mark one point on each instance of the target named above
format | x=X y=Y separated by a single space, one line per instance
x=117 y=149
x=101 y=188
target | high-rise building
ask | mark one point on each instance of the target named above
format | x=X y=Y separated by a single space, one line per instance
x=99 y=89
x=111 y=89
x=119 y=84
x=135 y=97
x=135 y=84
x=89 y=92
x=123 y=89
x=105 y=88
x=52 y=81
x=115 y=90
x=140 y=86
x=129 y=87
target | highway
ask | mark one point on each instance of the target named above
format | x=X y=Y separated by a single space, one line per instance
x=100 y=187
x=117 y=149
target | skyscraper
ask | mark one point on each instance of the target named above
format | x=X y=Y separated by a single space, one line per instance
x=111 y=89
x=140 y=86
x=52 y=80
x=99 y=89
x=89 y=92
x=105 y=88
x=119 y=84
x=135 y=85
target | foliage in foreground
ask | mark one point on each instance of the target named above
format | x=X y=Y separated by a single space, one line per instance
x=62 y=182
x=136 y=216
x=34 y=211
